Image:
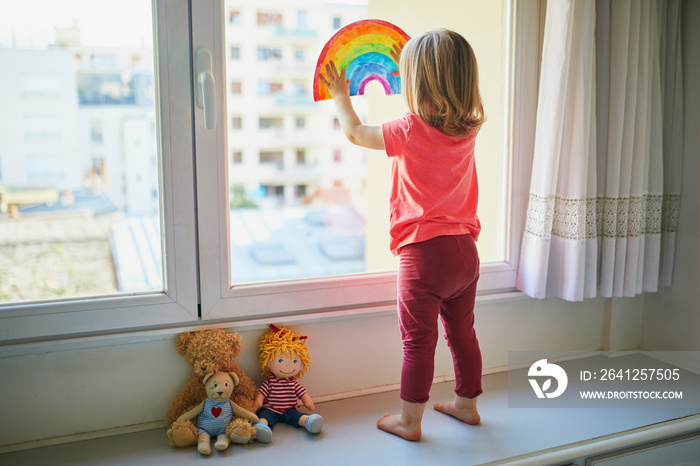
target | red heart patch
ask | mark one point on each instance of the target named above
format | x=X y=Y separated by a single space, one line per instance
x=216 y=412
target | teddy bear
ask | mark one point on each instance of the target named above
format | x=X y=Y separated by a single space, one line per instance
x=216 y=411
x=206 y=352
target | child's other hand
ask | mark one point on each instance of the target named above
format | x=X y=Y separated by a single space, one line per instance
x=335 y=83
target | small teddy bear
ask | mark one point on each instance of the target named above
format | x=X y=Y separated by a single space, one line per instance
x=216 y=412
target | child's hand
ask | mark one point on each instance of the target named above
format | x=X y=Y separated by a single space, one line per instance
x=335 y=83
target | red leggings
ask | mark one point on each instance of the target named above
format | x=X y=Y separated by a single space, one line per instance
x=438 y=277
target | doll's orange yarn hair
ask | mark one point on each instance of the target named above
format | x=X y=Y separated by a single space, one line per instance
x=281 y=340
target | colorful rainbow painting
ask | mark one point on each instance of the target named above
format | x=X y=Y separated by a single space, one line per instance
x=363 y=49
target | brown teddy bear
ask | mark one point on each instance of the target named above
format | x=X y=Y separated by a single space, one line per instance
x=216 y=412
x=207 y=352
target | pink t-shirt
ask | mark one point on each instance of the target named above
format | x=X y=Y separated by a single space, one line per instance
x=434 y=189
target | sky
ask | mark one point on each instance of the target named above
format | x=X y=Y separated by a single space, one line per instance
x=103 y=23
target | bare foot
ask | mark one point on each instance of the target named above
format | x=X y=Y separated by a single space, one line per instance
x=394 y=424
x=463 y=409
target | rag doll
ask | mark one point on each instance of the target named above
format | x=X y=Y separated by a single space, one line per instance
x=284 y=357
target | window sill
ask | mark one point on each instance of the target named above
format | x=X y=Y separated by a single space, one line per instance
x=99 y=339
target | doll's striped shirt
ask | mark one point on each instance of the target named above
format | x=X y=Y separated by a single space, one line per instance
x=281 y=394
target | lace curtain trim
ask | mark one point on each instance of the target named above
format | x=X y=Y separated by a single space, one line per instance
x=608 y=217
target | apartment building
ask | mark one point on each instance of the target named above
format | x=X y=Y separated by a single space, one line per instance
x=284 y=148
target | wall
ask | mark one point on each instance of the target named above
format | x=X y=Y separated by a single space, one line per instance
x=60 y=390
x=672 y=317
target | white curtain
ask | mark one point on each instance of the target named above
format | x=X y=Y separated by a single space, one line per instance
x=605 y=185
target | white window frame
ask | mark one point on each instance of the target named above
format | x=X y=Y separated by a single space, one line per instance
x=345 y=293
x=195 y=210
x=179 y=302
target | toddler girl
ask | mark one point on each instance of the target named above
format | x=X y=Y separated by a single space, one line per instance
x=433 y=221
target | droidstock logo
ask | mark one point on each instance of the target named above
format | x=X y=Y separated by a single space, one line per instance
x=546 y=371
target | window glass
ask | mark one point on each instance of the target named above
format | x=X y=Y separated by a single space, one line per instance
x=298 y=202
x=79 y=189
x=306 y=203
x=486 y=27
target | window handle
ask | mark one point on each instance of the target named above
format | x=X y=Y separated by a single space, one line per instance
x=206 y=95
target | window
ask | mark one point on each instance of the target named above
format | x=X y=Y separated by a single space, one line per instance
x=338 y=179
x=302 y=19
x=272 y=157
x=269 y=19
x=88 y=247
x=266 y=123
x=269 y=53
x=43 y=128
x=269 y=88
x=290 y=175
x=96 y=131
x=41 y=87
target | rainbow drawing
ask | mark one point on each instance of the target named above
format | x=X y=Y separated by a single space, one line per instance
x=363 y=49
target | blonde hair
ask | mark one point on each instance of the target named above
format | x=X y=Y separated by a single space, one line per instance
x=279 y=341
x=440 y=77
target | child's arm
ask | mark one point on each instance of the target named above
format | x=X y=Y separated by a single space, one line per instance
x=362 y=135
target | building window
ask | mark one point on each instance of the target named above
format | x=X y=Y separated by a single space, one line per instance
x=270 y=123
x=269 y=53
x=43 y=129
x=236 y=88
x=302 y=19
x=269 y=19
x=234 y=17
x=272 y=158
x=96 y=131
x=235 y=52
x=237 y=157
x=269 y=88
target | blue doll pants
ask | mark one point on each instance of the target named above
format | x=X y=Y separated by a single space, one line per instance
x=291 y=417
